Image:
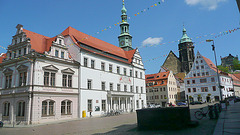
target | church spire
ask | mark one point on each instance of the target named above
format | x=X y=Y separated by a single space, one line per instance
x=125 y=39
x=185 y=37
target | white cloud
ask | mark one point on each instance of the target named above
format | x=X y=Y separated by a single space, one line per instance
x=152 y=41
x=207 y=4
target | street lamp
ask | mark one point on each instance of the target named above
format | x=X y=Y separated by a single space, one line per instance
x=213 y=48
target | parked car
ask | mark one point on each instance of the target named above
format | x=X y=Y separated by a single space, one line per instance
x=196 y=102
x=235 y=98
x=181 y=103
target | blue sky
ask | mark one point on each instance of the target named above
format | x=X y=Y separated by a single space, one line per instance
x=160 y=24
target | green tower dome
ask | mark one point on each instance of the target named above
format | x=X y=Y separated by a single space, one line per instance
x=185 y=38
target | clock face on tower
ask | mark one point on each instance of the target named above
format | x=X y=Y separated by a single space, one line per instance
x=122 y=42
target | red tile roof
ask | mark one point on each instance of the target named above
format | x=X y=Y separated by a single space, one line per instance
x=38 y=42
x=79 y=37
x=213 y=66
x=3 y=57
x=158 y=77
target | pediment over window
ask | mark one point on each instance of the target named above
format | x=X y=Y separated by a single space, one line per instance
x=7 y=71
x=68 y=71
x=51 y=68
x=22 y=67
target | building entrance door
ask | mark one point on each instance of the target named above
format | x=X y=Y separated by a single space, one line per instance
x=163 y=104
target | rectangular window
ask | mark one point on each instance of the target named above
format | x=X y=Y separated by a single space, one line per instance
x=203 y=80
x=198 y=74
x=203 y=74
x=56 y=53
x=130 y=72
x=212 y=79
x=51 y=108
x=136 y=74
x=110 y=68
x=46 y=78
x=142 y=90
x=8 y=82
x=118 y=69
x=89 y=105
x=20 y=79
x=194 y=90
x=193 y=81
x=62 y=55
x=137 y=104
x=124 y=71
x=24 y=51
x=63 y=107
x=19 y=52
x=103 y=85
x=85 y=62
x=69 y=80
x=204 y=89
x=161 y=96
x=118 y=87
x=141 y=75
x=131 y=88
x=214 y=88
x=125 y=88
x=189 y=90
x=60 y=41
x=207 y=73
x=92 y=64
x=194 y=75
x=136 y=89
x=52 y=79
x=89 y=84
x=188 y=82
x=197 y=67
x=111 y=86
x=202 y=67
x=69 y=107
x=104 y=105
x=102 y=66
x=24 y=78
x=64 y=81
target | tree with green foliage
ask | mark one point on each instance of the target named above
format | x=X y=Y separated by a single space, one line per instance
x=236 y=64
x=223 y=69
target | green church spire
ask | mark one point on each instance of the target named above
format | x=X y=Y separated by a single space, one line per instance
x=125 y=39
x=185 y=37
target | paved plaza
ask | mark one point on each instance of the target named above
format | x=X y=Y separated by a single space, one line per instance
x=124 y=124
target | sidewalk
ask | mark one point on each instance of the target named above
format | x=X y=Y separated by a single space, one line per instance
x=229 y=121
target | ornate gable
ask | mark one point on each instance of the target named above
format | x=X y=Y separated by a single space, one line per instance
x=68 y=71
x=7 y=71
x=51 y=68
x=22 y=67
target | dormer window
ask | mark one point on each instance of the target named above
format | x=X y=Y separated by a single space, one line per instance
x=60 y=41
x=10 y=55
x=56 y=53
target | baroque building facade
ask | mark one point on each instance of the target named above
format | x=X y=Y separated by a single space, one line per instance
x=46 y=79
x=161 y=88
x=201 y=83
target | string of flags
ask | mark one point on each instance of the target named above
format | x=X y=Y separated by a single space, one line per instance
x=203 y=41
x=118 y=23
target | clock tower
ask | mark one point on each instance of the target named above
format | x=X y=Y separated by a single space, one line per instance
x=125 y=39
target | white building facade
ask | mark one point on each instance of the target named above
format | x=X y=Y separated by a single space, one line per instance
x=46 y=79
x=201 y=83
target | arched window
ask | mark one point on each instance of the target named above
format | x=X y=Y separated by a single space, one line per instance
x=6 y=108
x=48 y=108
x=21 y=108
x=66 y=106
